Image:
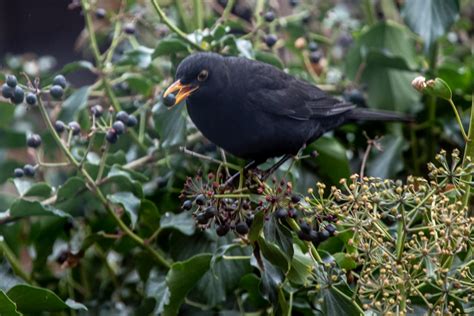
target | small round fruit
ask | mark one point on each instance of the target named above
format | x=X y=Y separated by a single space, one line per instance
x=313 y=46
x=132 y=121
x=18 y=173
x=56 y=91
x=111 y=136
x=242 y=228
x=11 y=81
x=222 y=230
x=295 y=198
x=97 y=110
x=331 y=229
x=202 y=219
x=100 y=13
x=7 y=91
x=31 y=98
x=323 y=235
x=355 y=96
x=119 y=127
x=315 y=57
x=305 y=228
x=122 y=116
x=18 y=95
x=200 y=199
x=292 y=213
x=33 y=141
x=269 y=16
x=60 y=80
x=303 y=236
x=29 y=170
x=75 y=128
x=169 y=100
x=59 y=127
x=294 y=3
x=314 y=236
x=210 y=212
x=187 y=205
x=313 y=154
x=281 y=213
x=129 y=28
x=271 y=40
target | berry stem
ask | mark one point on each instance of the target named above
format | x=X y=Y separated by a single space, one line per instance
x=98 y=193
x=468 y=157
x=173 y=27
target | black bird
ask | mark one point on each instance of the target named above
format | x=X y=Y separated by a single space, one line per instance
x=256 y=111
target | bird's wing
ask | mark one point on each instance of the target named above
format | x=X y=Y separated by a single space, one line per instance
x=276 y=92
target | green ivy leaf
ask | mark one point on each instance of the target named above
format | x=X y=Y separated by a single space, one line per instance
x=76 y=102
x=32 y=299
x=7 y=306
x=169 y=46
x=130 y=203
x=24 y=208
x=430 y=19
x=182 y=277
x=182 y=222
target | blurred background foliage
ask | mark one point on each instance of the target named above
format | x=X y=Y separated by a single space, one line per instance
x=365 y=51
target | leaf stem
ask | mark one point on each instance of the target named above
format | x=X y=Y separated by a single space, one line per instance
x=173 y=27
x=468 y=156
x=458 y=119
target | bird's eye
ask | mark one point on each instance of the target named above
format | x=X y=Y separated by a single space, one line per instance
x=203 y=75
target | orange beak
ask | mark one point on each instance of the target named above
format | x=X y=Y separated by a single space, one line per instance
x=184 y=91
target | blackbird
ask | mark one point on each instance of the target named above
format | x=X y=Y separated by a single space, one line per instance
x=255 y=111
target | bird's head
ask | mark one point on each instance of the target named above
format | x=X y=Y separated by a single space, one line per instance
x=201 y=75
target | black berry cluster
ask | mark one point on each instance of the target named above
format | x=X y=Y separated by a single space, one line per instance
x=57 y=89
x=122 y=121
x=27 y=170
x=11 y=90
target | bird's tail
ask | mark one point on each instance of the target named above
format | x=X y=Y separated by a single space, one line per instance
x=362 y=114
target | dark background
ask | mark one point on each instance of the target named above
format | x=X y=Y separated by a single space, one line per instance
x=43 y=27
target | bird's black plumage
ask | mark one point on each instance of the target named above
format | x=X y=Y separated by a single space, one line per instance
x=256 y=111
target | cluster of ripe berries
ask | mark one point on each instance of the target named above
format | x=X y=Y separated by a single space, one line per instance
x=11 y=90
x=122 y=121
x=32 y=141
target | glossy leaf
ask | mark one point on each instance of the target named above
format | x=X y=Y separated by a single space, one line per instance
x=130 y=203
x=76 y=102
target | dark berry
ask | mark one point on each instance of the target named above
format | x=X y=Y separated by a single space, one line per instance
x=295 y=198
x=314 y=154
x=119 y=127
x=7 y=91
x=331 y=229
x=249 y=220
x=132 y=121
x=59 y=126
x=222 y=230
x=11 y=81
x=97 y=110
x=313 y=46
x=210 y=212
x=315 y=57
x=129 y=28
x=29 y=170
x=202 y=219
x=314 y=236
x=242 y=228
x=269 y=16
x=294 y=3
x=281 y=213
x=100 y=13
x=122 y=116
x=305 y=228
x=75 y=128
x=200 y=199
x=56 y=91
x=33 y=141
x=18 y=172
x=31 y=98
x=270 y=40
x=111 y=136
x=59 y=80
x=18 y=95
x=169 y=100
x=187 y=205
x=323 y=235
x=303 y=236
